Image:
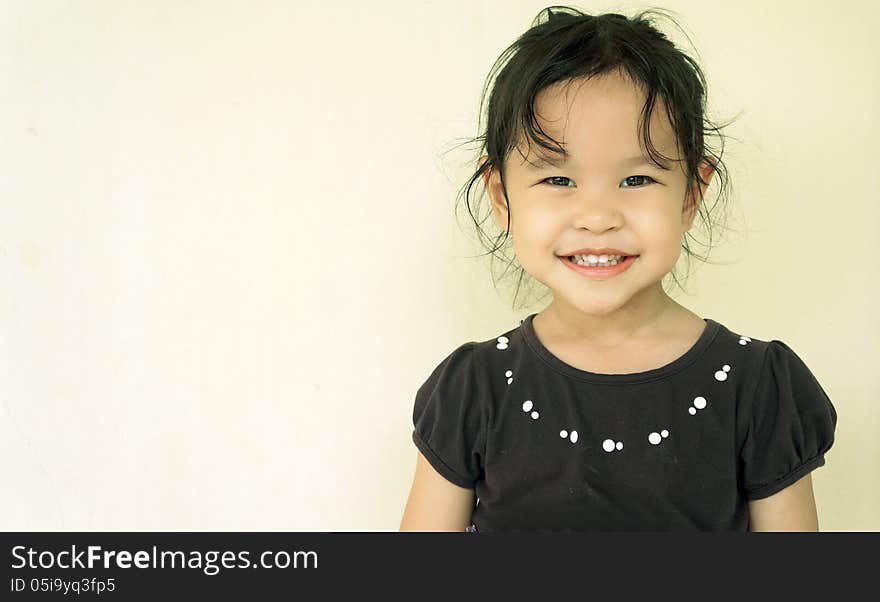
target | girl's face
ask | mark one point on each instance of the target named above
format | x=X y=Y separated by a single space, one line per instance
x=600 y=197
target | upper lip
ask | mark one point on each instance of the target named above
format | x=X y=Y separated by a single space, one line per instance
x=604 y=251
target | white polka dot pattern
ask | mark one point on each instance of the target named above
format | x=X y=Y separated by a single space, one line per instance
x=609 y=445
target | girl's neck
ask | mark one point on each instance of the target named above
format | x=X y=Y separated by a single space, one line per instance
x=650 y=322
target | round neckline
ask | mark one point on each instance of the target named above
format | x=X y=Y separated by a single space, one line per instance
x=531 y=338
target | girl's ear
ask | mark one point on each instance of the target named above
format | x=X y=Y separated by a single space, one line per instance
x=707 y=170
x=492 y=182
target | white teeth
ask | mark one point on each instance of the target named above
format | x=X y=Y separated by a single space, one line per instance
x=594 y=260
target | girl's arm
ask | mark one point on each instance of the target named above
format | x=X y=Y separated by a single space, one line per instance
x=434 y=503
x=792 y=509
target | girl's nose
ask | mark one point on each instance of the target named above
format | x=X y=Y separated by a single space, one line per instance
x=597 y=214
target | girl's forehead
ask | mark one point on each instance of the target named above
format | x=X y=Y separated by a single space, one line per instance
x=605 y=105
x=597 y=118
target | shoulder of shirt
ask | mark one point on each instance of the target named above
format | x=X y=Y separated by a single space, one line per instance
x=486 y=355
x=511 y=341
x=755 y=349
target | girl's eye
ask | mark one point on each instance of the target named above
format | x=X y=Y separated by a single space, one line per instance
x=625 y=180
x=645 y=177
x=556 y=178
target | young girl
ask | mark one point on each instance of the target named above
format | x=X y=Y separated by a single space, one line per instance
x=614 y=408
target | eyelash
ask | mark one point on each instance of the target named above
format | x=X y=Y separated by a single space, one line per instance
x=627 y=178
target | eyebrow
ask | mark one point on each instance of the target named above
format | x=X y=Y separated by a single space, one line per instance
x=552 y=160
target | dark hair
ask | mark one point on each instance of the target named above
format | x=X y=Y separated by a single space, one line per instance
x=565 y=43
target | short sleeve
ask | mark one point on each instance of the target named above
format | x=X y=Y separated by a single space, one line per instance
x=450 y=419
x=789 y=423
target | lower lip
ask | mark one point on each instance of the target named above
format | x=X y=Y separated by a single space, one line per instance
x=600 y=272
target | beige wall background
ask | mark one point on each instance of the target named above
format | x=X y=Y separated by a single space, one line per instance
x=229 y=256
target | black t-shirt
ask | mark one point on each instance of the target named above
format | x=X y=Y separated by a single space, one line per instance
x=549 y=447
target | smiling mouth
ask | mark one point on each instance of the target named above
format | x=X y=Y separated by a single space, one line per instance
x=601 y=271
x=601 y=264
